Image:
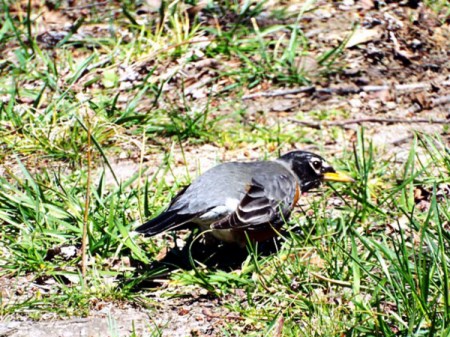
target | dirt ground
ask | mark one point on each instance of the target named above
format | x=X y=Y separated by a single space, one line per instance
x=396 y=81
x=173 y=317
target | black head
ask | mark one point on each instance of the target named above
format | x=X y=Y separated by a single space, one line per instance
x=311 y=169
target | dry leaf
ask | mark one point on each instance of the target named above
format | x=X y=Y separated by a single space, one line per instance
x=363 y=35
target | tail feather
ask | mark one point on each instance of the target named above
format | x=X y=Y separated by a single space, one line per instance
x=163 y=222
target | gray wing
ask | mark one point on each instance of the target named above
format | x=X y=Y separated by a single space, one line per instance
x=268 y=201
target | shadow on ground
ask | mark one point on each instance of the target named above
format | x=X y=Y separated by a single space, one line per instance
x=210 y=253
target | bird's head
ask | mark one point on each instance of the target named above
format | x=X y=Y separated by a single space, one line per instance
x=311 y=169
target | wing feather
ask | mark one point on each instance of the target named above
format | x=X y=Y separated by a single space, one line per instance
x=267 y=202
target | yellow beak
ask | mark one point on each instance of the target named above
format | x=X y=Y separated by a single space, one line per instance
x=338 y=176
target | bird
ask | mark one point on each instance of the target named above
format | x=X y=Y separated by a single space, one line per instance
x=238 y=201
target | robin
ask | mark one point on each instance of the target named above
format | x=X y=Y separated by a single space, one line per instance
x=239 y=199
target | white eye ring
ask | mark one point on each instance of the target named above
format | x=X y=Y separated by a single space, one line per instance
x=316 y=165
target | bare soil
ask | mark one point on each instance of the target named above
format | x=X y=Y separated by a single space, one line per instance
x=394 y=45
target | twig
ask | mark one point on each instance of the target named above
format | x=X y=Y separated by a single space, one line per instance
x=400 y=88
x=197 y=85
x=313 y=125
x=103 y=61
x=95 y=4
x=86 y=203
x=336 y=282
x=442 y=100
x=280 y=92
x=397 y=87
x=332 y=281
x=208 y=313
x=320 y=125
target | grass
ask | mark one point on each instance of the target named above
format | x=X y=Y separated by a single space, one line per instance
x=378 y=267
x=367 y=259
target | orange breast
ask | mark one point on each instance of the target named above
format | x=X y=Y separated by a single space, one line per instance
x=297 y=195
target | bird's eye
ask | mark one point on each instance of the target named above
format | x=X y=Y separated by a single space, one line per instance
x=316 y=164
